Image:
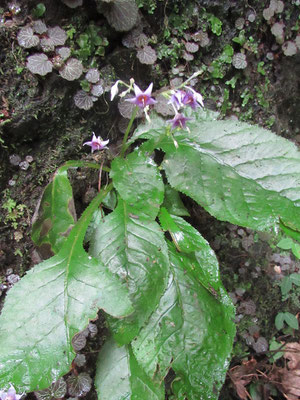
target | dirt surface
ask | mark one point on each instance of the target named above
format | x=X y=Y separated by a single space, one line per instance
x=41 y=128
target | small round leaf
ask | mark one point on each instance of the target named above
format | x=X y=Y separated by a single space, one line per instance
x=122 y=14
x=71 y=70
x=26 y=38
x=63 y=52
x=92 y=75
x=239 y=61
x=39 y=27
x=147 y=55
x=97 y=90
x=79 y=385
x=191 y=47
x=39 y=64
x=57 y=35
x=83 y=100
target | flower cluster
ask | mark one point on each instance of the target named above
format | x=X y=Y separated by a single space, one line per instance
x=143 y=99
x=181 y=98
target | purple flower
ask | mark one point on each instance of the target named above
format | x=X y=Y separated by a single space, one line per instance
x=97 y=143
x=142 y=99
x=179 y=121
x=181 y=98
x=10 y=394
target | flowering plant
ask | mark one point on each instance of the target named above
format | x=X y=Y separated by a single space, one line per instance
x=150 y=271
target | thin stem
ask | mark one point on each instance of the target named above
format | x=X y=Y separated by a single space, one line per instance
x=133 y=115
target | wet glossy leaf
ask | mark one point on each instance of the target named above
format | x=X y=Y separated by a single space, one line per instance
x=173 y=202
x=147 y=55
x=119 y=377
x=134 y=248
x=26 y=38
x=56 y=216
x=46 y=308
x=139 y=183
x=239 y=173
x=192 y=329
x=122 y=14
x=71 y=70
x=79 y=385
x=39 y=64
x=186 y=238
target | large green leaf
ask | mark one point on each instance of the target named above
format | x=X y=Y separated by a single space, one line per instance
x=238 y=172
x=173 y=203
x=119 y=377
x=54 y=301
x=139 y=183
x=57 y=215
x=135 y=249
x=192 y=330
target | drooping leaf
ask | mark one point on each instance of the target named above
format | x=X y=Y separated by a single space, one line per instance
x=26 y=38
x=119 y=377
x=71 y=70
x=122 y=14
x=139 y=183
x=46 y=308
x=186 y=238
x=147 y=55
x=83 y=100
x=173 y=202
x=57 y=36
x=239 y=173
x=191 y=331
x=39 y=64
x=134 y=248
x=57 y=215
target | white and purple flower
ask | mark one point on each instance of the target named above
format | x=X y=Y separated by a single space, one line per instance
x=142 y=99
x=97 y=143
x=190 y=97
x=11 y=394
x=179 y=121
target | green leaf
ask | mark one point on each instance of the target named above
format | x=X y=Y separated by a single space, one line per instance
x=191 y=331
x=296 y=250
x=239 y=173
x=184 y=236
x=173 y=203
x=290 y=231
x=119 y=377
x=53 y=302
x=279 y=320
x=274 y=345
x=285 y=285
x=285 y=244
x=135 y=249
x=291 y=320
x=57 y=215
x=295 y=278
x=56 y=212
x=139 y=183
